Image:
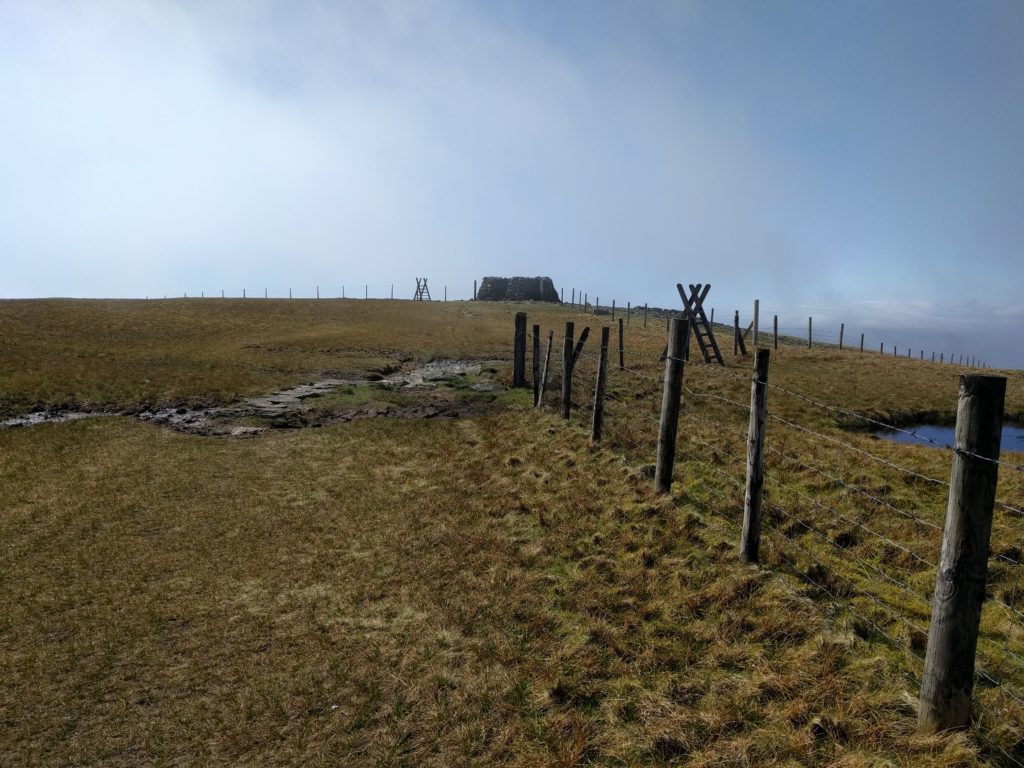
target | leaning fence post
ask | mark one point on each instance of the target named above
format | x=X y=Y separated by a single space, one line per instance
x=536 y=362
x=519 y=352
x=670 y=401
x=750 y=541
x=539 y=400
x=602 y=369
x=862 y=343
x=757 y=324
x=622 y=348
x=567 y=369
x=736 y=333
x=963 y=565
x=842 y=328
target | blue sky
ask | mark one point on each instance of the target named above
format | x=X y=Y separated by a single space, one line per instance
x=857 y=161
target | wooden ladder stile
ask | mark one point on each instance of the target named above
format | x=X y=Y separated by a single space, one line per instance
x=693 y=306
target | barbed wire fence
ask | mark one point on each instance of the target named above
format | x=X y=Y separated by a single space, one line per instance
x=846 y=519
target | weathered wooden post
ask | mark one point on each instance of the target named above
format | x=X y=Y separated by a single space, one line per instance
x=842 y=329
x=948 y=680
x=757 y=313
x=712 y=316
x=629 y=310
x=622 y=348
x=570 y=329
x=539 y=400
x=393 y=290
x=670 y=401
x=810 y=331
x=613 y=309
x=474 y=291
x=602 y=372
x=862 y=343
x=933 y=357
x=366 y=291
x=881 y=347
x=750 y=541
x=597 y=304
x=519 y=352
x=536 y=362
x=243 y=294
x=736 y=333
x=775 y=330
x=572 y=301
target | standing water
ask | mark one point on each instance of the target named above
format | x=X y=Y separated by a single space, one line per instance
x=1013 y=436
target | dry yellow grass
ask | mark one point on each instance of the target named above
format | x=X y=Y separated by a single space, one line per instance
x=486 y=591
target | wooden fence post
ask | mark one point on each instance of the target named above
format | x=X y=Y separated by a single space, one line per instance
x=572 y=300
x=613 y=309
x=881 y=347
x=948 y=679
x=622 y=348
x=629 y=310
x=757 y=313
x=597 y=304
x=670 y=401
x=775 y=330
x=842 y=329
x=570 y=329
x=519 y=352
x=810 y=330
x=602 y=369
x=712 y=318
x=862 y=343
x=750 y=541
x=536 y=362
x=544 y=372
x=736 y=333
x=474 y=291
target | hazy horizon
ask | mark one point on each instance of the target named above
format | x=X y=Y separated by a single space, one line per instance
x=855 y=162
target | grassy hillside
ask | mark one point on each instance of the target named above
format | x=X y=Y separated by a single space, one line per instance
x=478 y=591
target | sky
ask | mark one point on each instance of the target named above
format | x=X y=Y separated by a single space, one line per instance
x=858 y=162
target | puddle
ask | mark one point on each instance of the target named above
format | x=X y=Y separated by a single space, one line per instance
x=48 y=417
x=1013 y=436
x=287 y=407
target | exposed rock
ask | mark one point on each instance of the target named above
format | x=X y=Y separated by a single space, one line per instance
x=517 y=289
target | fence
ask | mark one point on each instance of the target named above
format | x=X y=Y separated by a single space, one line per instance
x=389 y=291
x=801 y=335
x=850 y=519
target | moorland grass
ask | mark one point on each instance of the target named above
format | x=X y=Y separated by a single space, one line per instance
x=480 y=591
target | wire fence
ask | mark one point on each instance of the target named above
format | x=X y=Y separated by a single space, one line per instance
x=848 y=519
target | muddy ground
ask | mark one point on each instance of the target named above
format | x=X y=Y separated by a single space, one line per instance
x=442 y=389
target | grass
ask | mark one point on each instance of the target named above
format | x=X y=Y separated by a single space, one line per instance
x=480 y=591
